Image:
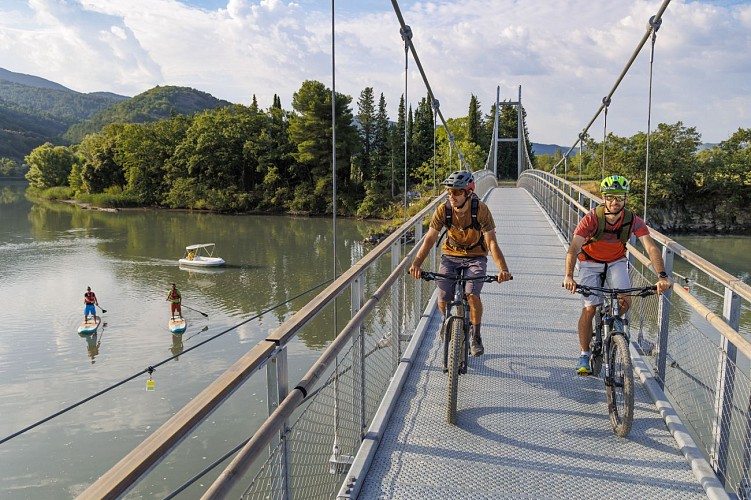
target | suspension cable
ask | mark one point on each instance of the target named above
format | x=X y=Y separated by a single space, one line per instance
x=406 y=33
x=151 y=368
x=655 y=25
x=657 y=17
x=606 y=103
x=404 y=26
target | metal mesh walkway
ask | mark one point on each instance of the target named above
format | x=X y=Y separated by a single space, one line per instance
x=527 y=425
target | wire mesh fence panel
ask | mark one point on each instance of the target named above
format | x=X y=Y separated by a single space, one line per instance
x=319 y=444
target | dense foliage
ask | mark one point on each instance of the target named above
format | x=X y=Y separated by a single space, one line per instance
x=242 y=159
x=686 y=188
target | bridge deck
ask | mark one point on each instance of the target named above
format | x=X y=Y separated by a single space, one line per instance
x=527 y=425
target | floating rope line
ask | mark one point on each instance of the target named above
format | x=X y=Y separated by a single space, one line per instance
x=152 y=368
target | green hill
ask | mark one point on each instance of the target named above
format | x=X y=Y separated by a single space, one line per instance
x=155 y=104
x=34 y=111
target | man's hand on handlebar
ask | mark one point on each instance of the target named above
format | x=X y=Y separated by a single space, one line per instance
x=663 y=284
x=415 y=271
x=569 y=284
x=504 y=276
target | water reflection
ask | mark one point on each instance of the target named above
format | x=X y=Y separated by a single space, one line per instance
x=93 y=342
x=177 y=345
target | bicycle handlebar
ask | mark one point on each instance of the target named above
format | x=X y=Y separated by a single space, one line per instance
x=430 y=276
x=636 y=292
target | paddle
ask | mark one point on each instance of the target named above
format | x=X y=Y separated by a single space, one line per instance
x=196 y=310
x=102 y=308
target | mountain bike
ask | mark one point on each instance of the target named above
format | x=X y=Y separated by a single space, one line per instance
x=455 y=332
x=609 y=348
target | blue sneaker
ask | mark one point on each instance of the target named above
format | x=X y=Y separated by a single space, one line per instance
x=583 y=367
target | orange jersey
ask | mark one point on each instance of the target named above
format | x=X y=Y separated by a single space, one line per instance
x=609 y=248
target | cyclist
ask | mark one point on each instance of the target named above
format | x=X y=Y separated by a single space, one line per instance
x=599 y=245
x=470 y=231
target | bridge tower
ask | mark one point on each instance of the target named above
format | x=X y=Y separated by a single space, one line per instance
x=519 y=139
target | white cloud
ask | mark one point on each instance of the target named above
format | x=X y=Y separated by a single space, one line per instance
x=566 y=55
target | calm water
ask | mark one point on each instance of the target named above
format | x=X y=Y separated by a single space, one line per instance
x=53 y=251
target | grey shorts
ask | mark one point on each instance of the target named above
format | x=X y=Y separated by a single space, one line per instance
x=475 y=266
x=589 y=275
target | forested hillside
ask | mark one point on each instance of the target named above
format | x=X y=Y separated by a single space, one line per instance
x=155 y=104
x=243 y=159
x=34 y=111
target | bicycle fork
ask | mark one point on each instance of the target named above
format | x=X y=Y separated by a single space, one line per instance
x=446 y=340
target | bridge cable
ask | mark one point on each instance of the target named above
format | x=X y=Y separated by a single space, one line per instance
x=656 y=19
x=151 y=368
x=406 y=33
x=606 y=103
x=655 y=25
x=412 y=49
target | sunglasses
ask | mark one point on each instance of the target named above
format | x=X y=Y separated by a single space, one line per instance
x=456 y=192
x=615 y=197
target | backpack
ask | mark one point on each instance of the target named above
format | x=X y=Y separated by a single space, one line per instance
x=474 y=225
x=623 y=236
x=628 y=220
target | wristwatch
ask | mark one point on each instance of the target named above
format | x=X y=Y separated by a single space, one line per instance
x=663 y=275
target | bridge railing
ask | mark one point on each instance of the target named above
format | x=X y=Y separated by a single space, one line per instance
x=694 y=339
x=316 y=425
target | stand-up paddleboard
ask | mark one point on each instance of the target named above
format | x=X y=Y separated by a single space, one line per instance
x=90 y=325
x=177 y=325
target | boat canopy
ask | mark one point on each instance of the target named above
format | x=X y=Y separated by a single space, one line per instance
x=200 y=245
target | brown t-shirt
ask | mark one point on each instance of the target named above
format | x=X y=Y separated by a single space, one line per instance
x=460 y=232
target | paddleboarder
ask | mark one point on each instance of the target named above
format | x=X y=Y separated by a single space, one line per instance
x=175 y=300
x=89 y=299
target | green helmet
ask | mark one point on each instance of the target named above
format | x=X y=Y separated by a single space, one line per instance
x=615 y=184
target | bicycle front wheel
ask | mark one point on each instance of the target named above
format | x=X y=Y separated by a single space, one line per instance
x=456 y=331
x=620 y=386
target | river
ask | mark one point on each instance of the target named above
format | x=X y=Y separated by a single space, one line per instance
x=52 y=251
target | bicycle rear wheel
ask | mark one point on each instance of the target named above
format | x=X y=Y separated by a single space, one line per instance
x=620 y=387
x=456 y=331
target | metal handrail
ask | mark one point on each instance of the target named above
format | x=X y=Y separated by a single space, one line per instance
x=723 y=277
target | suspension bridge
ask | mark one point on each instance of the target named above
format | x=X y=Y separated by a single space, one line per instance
x=367 y=419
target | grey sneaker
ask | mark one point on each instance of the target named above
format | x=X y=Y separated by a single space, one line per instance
x=475 y=346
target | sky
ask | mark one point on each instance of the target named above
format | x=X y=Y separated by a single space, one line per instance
x=566 y=55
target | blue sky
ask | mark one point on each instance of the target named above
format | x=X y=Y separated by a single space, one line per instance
x=566 y=55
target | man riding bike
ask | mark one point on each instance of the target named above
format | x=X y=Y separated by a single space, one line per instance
x=599 y=246
x=470 y=232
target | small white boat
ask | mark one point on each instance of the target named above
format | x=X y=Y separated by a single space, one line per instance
x=201 y=255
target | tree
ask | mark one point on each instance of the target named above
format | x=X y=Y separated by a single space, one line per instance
x=97 y=157
x=474 y=121
x=310 y=129
x=144 y=153
x=422 y=135
x=367 y=118
x=8 y=167
x=49 y=166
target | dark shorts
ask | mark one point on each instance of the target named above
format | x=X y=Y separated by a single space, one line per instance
x=475 y=266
